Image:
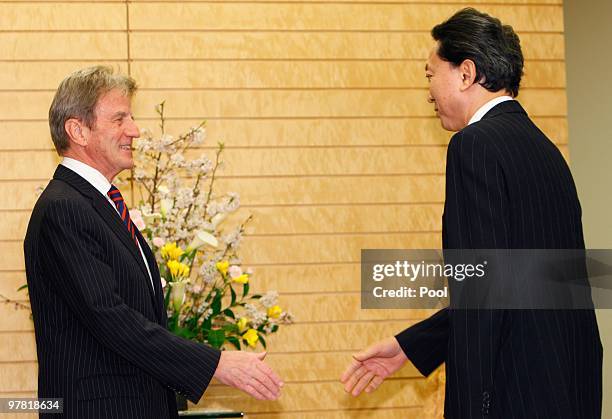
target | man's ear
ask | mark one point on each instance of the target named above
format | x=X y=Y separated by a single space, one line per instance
x=77 y=131
x=467 y=70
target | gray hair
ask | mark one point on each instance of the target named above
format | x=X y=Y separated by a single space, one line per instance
x=77 y=97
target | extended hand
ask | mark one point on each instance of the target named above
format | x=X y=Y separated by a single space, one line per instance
x=371 y=366
x=247 y=372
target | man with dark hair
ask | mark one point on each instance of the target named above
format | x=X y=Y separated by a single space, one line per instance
x=95 y=289
x=507 y=187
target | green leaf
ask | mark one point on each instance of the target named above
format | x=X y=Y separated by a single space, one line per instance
x=262 y=340
x=233 y=296
x=24 y=286
x=167 y=298
x=234 y=341
x=206 y=324
x=188 y=255
x=192 y=323
x=229 y=313
x=216 y=304
x=231 y=328
x=274 y=328
x=245 y=289
x=216 y=338
x=173 y=322
x=256 y=296
x=185 y=333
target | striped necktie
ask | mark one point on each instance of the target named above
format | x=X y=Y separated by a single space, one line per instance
x=116 y=197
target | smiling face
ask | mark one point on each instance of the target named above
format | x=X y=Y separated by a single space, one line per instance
x=445 y=91
x=109 y=141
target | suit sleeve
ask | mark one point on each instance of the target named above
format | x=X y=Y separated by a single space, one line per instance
x=426 y=343
x=75 y=264
x=476 y=217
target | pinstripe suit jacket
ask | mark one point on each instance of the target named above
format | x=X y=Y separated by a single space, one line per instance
x=508 y=186
x=100 y=328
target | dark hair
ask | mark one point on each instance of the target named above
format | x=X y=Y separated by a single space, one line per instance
x=494 y=48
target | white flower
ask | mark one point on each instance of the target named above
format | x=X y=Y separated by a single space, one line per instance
x=213 y=208
x=235 y=271
x=177 y=159
x=163 y=190
x=166 y=139
x=158 y=241
x=201 y=238
x=166 y=206
x=136 y=217
x=233 y=202
x=203 y=164
x=198 y=135
x=233 y=239
x=184 y=197
x=139 y=174
x=218 y=219
x=269 y=299
x=208 y=271
x=286 y=318
x=257 y=317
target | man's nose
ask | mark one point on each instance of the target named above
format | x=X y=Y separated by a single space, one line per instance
x=133 y=130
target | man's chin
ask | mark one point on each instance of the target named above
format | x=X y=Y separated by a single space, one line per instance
x=448 y=126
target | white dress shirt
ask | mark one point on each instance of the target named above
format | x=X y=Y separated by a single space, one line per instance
x=102 y=185
x=487 y=107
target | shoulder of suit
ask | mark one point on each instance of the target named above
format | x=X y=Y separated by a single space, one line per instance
x=475 y=138
x=58 y=189
x=60 y=196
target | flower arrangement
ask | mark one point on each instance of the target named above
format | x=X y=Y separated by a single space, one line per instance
x=207 y=292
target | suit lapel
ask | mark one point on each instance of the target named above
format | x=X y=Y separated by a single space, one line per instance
x=109 y=216
x=159 y=293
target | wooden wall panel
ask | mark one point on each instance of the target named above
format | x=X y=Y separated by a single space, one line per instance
x=283 y=45
x=306 y=161
x=43 y=46
x=28 y=75
x=311 y=74
x=330 y=142
x=276 y=133
x=62 y=17
x=326 y=17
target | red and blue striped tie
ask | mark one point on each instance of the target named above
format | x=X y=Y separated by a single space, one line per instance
x=116 y=197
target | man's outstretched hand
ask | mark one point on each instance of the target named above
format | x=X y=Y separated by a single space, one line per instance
x=371 y=366
x=247 y=372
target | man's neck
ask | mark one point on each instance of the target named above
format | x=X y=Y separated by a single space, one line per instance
x=480 y=100
x=83 y=158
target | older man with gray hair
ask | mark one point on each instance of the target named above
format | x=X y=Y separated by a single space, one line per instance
x=95 y=289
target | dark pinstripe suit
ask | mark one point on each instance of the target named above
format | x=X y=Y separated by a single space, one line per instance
x=100 y=329
x=508 y=186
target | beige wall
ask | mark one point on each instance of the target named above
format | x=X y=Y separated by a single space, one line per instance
x=330 y=142
x=589 y=89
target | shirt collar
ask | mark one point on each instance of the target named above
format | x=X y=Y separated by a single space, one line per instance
x=88 y=173
x=487 y=107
